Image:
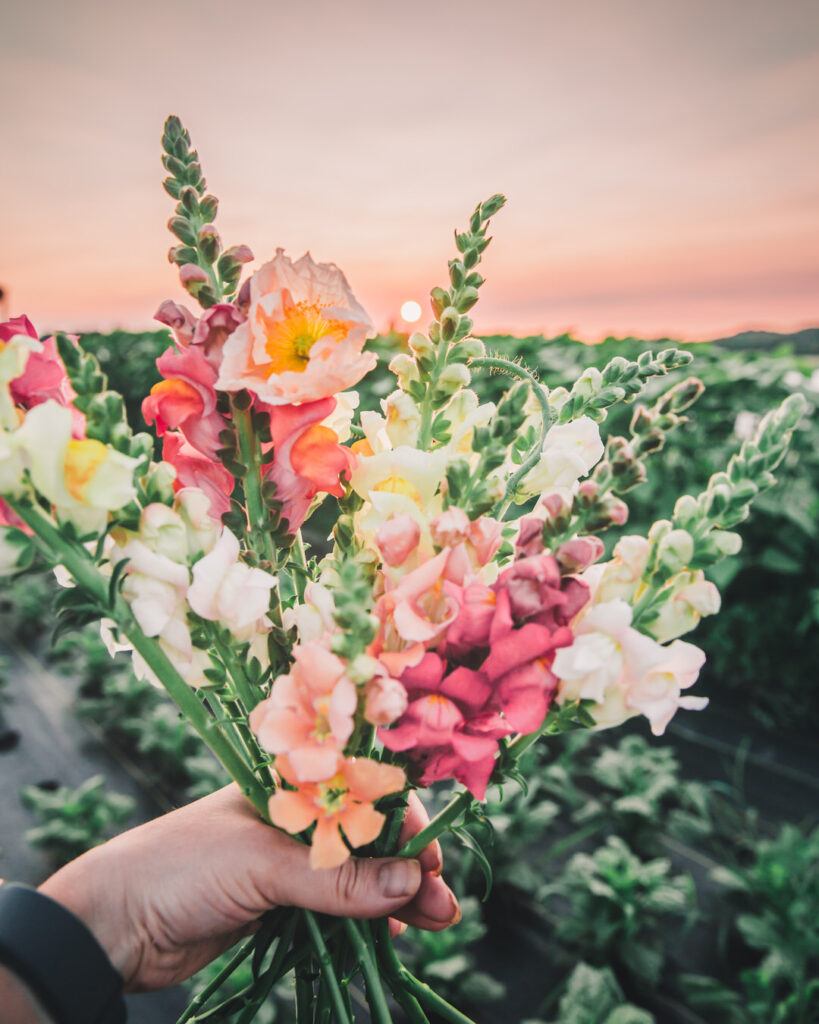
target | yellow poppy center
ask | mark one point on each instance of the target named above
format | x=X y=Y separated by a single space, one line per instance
x=288 y=339
x=82 y=460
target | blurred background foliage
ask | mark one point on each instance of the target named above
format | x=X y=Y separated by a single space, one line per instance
x=635 y=880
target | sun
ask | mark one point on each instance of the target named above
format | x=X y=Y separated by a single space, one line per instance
x=410 y=312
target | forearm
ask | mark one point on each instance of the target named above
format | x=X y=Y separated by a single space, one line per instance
x=19 y=1005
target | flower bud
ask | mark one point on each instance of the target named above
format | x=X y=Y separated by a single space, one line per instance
x=158 y=483
x=403 y=419
x=193 y=278
x=558 y=511
x=240 y=254
x=579 y=553
x=588 y=383
x=405 y=369
x=449 y=323
x=588 y=493
x=681 y=396
x=454 y=377
x=209 y=242
x=474 y=348
x=440 y=301
x=421 y=346
x=686 y=511
x=182 y=228
x=675 y=550
x=530 y=537
x=466 y=299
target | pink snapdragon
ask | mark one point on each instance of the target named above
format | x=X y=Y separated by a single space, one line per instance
x=307 y=457
x=309 y=713
x=193 y=469
x=186 y=400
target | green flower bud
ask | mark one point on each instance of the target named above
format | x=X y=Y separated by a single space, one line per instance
x=421 y=346
x=182 y=228
x=449 y=323
x=675 y=550
x=686 y=511
x=158 y=483
x=454 y=377
x=440 y=301
x=405 y=369
x=209 y=242
x=466 y=299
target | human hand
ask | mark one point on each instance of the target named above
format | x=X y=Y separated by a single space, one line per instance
x=166 y=898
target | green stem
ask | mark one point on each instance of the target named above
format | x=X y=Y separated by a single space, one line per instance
x=77 y=561
x=440 y=823
x=376 y=999
x=245 y=690
x=532 y=456
x=304 y=994
x=250 y=456
x=329 y=975
x=196 y=1005
x=425 y=427
x=392 y=970
x=415 y=991
x=275 y=971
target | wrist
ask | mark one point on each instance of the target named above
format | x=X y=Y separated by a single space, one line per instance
x=83 y=886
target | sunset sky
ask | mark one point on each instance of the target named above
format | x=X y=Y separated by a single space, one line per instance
x=660 y=157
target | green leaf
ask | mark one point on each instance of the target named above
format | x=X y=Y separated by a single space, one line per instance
x=472 y=844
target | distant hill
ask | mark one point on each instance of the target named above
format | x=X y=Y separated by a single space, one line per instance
x=803 y=342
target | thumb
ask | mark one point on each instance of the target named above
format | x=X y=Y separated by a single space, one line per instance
x=360 y=887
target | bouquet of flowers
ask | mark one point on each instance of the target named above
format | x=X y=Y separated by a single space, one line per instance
x=461 y=608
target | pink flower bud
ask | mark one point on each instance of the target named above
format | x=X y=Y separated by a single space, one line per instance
x=450 y=527
x=617 y=511
x=239 y=254
x=397 y=538
x=386 y=700
x=530 y=537
x=578 y=554
x=180 y=320
x=189 y=273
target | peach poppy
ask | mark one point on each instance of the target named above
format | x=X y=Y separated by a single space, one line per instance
x=303 y=336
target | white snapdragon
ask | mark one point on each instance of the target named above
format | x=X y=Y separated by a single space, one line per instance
x=570 y=451
x=84 y=479
x=625 y=672
x=226 y=590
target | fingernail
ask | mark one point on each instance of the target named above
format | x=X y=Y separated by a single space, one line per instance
x=399 y=877
x=456 y=913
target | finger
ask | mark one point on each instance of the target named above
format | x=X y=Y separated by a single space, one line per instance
x=360 y=887
x=396 y=927
x=434 y=906
x=415 y=819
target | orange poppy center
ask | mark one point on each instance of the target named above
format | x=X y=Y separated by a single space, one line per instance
x=288 y=339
